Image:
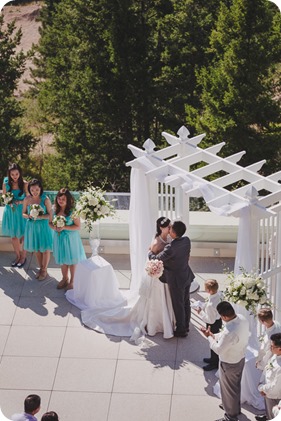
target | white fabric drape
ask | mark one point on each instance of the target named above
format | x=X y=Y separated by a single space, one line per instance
x=141 y=225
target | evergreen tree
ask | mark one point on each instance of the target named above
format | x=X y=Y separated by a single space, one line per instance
x=99 y=60
x=241 y=88
x=14 y=143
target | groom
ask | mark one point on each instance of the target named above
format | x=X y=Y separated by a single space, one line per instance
x=178 y=275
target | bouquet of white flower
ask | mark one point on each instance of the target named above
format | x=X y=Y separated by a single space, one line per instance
x=8 y=198
x=247 y=290
x=154 y=268
x=92 y=206
x=35 y=211
x=59 y=221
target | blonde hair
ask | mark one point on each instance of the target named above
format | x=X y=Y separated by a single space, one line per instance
x=265 y=314
x=212 y=285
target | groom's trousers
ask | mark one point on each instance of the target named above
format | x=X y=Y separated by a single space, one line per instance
x=181 y=304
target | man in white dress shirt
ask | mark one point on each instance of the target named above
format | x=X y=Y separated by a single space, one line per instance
x=270 y=387
x=230 y=344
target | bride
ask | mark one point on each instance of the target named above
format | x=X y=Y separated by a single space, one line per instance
x=150 y=314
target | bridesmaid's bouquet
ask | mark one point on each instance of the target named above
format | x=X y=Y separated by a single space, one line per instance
x=59 y=221
x=154 y=268
x=35 y=211
x=8 y=199
x=92 y=206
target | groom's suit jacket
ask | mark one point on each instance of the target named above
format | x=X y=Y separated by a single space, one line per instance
x=175 y=257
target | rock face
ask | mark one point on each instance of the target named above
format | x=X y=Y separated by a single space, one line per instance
x=26 y=18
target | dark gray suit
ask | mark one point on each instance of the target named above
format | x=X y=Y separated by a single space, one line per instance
x=178 y=275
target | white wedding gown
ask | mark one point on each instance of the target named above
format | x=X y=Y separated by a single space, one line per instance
x=149 y=313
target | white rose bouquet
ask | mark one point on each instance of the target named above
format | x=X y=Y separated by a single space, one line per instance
x=154 y=268
x=35 y=211
x=8 y=199
x=92 y=206
x=247 y=290
x=59 y=221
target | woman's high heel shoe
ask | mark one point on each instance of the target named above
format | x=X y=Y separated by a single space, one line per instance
x=62 y=284
x=43 y=275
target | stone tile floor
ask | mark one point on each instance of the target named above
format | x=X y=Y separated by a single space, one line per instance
x=82 y=374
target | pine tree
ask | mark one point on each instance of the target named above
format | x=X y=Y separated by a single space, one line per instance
x=241 y=88
x=14 y=143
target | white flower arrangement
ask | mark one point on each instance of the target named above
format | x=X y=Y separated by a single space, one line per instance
x=35 y=211
x=247 y=290
x=154 y=268
x=59 y=221
x=92 y=206
x=8 y=198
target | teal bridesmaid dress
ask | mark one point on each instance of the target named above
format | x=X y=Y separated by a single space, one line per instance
x=38 y=235
x=68 y=248
x=13 y=223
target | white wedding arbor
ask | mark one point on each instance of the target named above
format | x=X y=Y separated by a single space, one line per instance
x=163 y=181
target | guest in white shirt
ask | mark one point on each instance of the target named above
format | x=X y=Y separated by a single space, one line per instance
x=32 y=404
x=265 y=317
x=276 y=409
x=270 y=386
x=209 y=314
x=230 y=344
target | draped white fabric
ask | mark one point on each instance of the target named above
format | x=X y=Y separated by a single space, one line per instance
x=141 y=225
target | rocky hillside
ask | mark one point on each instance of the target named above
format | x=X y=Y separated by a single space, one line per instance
x=26 y=18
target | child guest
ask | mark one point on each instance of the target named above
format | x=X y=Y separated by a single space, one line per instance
x=208 y=313
x=68 y=248
x=38 y=237
x=13 y=224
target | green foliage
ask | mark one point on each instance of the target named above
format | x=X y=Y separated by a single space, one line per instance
x=240 y=100
x=14 y=141
x=118 y=72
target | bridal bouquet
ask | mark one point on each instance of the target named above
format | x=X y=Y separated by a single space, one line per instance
x=35 y=211
x=247 y=290
x=8 y=198
x=92 y=206
x=59 y=221
x=154 y=268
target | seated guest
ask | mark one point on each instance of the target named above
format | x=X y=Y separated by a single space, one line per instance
x=276 y=409
x=265 y=317
x=32 y=405
x=270 y=386
x=50 y=416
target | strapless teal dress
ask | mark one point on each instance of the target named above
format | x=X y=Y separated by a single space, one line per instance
x=38 y=235
x=68 y=248
x=13 y=223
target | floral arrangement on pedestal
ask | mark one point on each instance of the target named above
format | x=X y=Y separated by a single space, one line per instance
x=92 y=206
x=247 y=290
x=154 y=268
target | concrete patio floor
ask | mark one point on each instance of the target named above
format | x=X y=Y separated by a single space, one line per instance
x=82 y=374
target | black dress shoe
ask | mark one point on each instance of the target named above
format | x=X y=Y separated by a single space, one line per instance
x=210 y=367
x=20 y=265
x=207 y=360
x=261 y=417
x=14 y=264
x=180 y=334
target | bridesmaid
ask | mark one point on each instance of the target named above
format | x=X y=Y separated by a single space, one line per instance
x=68 y=248
x=38 y=236
x=13 y=223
